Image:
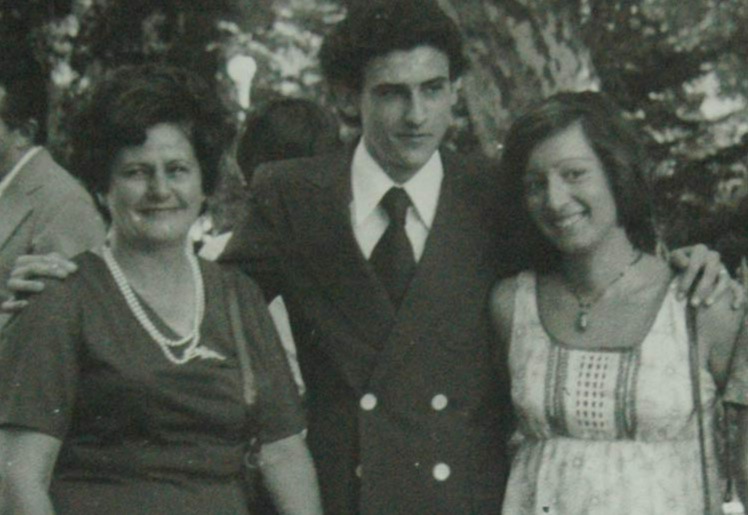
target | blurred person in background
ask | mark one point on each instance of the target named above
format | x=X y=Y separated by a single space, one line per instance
x=43 y=208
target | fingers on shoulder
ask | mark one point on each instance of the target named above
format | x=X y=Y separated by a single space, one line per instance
x=720 y=323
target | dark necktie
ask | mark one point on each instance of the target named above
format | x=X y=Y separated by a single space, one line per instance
x=393 y=258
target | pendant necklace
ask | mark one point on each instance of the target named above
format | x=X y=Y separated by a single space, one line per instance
x=190 y=344
x=585 y=305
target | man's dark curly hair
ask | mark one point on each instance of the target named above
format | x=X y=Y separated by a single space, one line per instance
x=132 y=99
x=378 y=27
x=616 y=144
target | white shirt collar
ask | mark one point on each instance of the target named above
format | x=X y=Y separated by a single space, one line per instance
x=17 y=168
x=369 y=184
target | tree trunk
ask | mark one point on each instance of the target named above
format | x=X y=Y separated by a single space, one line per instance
x=520 y=51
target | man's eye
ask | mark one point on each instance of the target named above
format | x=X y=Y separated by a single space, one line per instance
x=434 y=88
x=387 y=93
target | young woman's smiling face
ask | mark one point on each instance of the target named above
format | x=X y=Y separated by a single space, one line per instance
x=155 y=191
x=568 y=194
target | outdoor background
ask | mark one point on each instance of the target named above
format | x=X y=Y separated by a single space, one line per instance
x=678 y=67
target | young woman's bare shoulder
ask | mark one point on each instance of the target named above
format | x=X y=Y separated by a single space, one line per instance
x=501 y=305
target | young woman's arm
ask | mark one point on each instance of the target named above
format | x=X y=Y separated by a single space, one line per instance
x=27 y=460
x=289 y=475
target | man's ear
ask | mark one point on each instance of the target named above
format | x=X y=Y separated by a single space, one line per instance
x=456 y=86
x=25 y=133
x=347 y=101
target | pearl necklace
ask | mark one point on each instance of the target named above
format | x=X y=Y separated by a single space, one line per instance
x=167 y=345
x=585 y=306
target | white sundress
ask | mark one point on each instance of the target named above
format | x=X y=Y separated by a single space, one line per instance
x=606 y=431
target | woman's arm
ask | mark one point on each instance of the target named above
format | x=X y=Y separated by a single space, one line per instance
x=289 y=475
x=27 y=460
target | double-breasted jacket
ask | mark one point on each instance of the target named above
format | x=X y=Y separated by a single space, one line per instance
x=408 y=410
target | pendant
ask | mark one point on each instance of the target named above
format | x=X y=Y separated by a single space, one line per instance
x=582 y=321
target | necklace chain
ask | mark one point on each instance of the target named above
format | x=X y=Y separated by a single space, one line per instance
x=585 y=306
x=167 y=345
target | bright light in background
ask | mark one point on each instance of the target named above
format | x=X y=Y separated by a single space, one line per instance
x=714 y=106
x=241 y=70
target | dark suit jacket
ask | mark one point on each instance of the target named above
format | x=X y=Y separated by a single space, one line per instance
x=45 y=210
x=383 y=440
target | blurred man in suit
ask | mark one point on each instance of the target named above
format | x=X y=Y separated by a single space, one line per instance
x=42 y=208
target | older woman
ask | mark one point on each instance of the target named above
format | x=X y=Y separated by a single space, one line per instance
x=121 y=389
x=599 y=350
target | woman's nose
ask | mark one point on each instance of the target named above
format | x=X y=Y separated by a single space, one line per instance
x=158 y=186
x=557 y=192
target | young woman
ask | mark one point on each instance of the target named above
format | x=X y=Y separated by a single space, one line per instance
x=597 y=337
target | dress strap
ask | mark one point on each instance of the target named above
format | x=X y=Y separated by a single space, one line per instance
x=525 y=303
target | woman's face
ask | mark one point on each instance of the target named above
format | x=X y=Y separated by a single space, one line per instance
x=155 y=190
x=567 y=193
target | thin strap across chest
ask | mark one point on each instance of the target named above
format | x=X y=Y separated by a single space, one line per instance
x=532 y=300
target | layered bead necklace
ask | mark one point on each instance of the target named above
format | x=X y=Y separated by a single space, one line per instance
x=189 y=344
x=585 y=305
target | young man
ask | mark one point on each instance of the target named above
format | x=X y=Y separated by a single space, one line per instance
x=407 y=410
x=42 y=208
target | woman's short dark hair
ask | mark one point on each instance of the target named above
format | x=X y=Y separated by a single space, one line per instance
x=377 y=27
x=614 y=141
x=286 y=129
x=132 y=99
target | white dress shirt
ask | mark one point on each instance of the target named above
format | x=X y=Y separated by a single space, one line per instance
x=370 y=183
x=17 y=168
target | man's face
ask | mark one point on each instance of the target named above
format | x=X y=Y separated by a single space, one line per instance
x=405 y=105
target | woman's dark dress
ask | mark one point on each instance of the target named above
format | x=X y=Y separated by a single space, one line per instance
x=141 y=434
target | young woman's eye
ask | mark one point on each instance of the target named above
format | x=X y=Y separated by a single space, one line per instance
x=534 y=185
x=574 y=174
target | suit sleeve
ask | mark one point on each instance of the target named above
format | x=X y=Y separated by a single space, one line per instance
x=69 y=227
x=257 y=245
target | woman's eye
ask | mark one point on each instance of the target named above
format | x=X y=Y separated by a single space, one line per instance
x=134 y=172
x=534 y=186
x=574 y=174
x=179 y=169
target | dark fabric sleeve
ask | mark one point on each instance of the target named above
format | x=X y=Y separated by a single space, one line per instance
x=736 y=390
x=279 y=405
x=39 y=362
x=257 y=243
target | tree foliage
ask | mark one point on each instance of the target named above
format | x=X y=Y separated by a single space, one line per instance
x=679 y=68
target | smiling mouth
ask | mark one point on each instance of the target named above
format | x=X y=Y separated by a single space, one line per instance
x=568 y=221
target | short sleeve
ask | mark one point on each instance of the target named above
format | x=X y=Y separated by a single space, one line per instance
x=279 y=406
x=39 y=362
x=736 y=390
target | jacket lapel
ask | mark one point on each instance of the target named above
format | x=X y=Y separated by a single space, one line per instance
x=14 y=204
x=331 y=250
x=454 y=249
